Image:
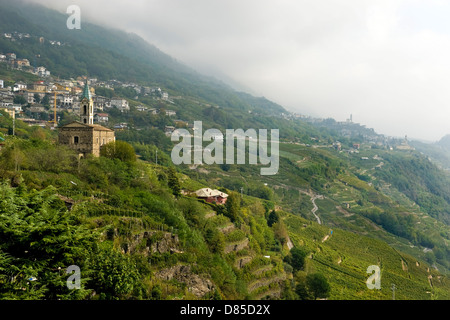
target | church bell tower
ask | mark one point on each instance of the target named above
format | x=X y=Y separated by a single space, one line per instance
x=87 y=106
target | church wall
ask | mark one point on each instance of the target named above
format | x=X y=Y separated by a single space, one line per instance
x=101 y=138
x=85 y=138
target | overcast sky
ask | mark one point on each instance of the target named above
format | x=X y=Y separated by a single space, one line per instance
x=386 y=62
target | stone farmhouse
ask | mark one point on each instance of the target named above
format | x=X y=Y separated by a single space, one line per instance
x=212 y=196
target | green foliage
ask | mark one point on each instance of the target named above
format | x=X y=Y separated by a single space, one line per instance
x=215 y=240
x=233 y=206
x=113 y=275
x=318 y=285
x=37 y=97
x=192 y=210
x=312 y=286
x=39 y=239
x=273 y=218
x=296 y=258
x=421 y=181
x=19 y=99
x=119 y=150
x=152 y=154
x=173 y=182
x=156 y=293
x=104 y=92
x=148 y=136
x=46 y=101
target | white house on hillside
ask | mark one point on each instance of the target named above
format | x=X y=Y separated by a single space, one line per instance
x=120 y=104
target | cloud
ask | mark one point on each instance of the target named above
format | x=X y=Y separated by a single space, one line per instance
x=384 y=61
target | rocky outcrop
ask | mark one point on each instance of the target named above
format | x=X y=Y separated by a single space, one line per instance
x=242 y=261
x=196 y=284
x=236 y=246
x=152 y=242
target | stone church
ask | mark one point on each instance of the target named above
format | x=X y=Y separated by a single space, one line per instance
x=84 y=136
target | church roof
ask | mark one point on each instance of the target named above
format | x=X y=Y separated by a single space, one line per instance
x=86 y=92
x=77 y=124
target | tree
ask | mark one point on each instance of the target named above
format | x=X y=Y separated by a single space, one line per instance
x=114 y=275
x=156 y=293
x=37 y=97
x=273 y=218
x=43 y=240
x=296 y=258
x=119 y=150
x=280 y=232
x=262 y=192
x=215 y=240
x=19 y=99
x=46 y=101
x=302 y=291
x=233 y=206
x=173 y=182
x=318 y=285
x=12 y=158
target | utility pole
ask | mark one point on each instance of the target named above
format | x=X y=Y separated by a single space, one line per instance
x=156 y=157
x=54 y=119
x=393 y=288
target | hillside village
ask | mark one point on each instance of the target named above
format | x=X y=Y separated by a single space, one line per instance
x=35 y=102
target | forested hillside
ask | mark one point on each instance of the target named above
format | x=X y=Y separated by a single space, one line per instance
x=128 y=226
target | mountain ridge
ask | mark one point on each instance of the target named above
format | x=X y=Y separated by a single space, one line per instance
x=53 y=24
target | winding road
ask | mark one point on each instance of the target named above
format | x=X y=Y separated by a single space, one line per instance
x=314 y=197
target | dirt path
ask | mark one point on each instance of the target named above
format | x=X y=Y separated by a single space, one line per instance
x=314 y=210
x=313 y=196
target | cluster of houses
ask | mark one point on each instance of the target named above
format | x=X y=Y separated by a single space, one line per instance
x=155 y=92
x=17 y=36
x=23 y=64
x=14 y=36
x=42 y=96
x=30 y=66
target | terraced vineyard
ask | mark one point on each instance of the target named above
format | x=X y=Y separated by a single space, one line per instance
x=344 y=206
x=344 y=258
x=262 y=274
